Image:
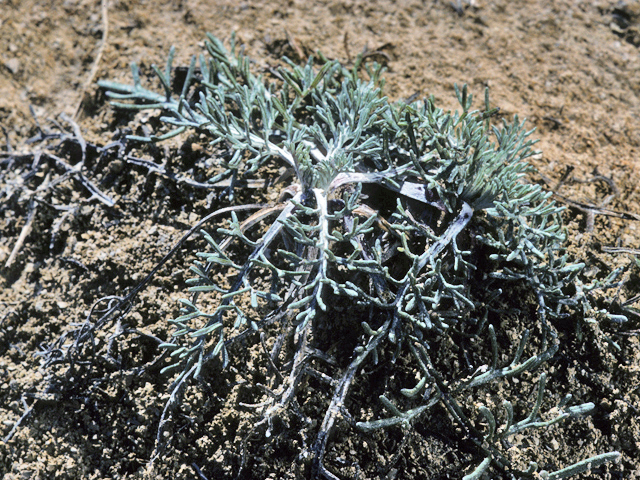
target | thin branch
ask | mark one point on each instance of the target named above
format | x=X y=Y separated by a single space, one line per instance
x=104 y=7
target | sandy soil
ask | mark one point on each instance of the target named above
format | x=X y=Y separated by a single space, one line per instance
x=571 y=67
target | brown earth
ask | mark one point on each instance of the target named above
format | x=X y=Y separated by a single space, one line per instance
x=572 y=68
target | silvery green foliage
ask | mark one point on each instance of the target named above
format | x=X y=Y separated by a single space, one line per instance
x=458 y=213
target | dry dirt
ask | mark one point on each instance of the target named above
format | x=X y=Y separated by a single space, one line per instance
x=571 y=67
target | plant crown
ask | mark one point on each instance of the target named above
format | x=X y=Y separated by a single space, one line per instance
x=421 y=219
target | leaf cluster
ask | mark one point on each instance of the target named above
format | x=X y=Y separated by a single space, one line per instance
x=421 y=217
